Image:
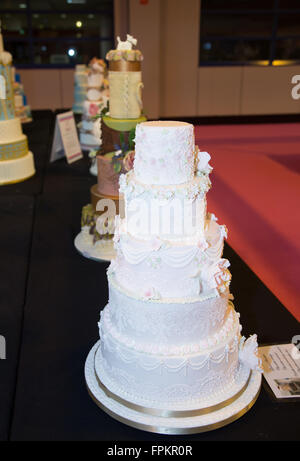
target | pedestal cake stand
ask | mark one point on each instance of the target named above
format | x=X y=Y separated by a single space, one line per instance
x=202 y=417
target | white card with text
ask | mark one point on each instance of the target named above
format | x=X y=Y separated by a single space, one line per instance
x=65 y=141
x=281 y=369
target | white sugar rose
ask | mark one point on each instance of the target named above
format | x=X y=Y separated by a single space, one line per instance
x=203 y=165
x=248 y=353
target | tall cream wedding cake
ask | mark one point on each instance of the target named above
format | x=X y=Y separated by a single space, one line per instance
x=16 y=161
x=117 y=147
x=171 y=357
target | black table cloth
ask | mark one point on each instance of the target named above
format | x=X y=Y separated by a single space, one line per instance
x=53 y=309
x=16 y=221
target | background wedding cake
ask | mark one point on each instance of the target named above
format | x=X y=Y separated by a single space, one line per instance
x=171 y=357
x=117 y=131
x=16 y=162
x=80 y=88
x=22 y=109
x=96 y=101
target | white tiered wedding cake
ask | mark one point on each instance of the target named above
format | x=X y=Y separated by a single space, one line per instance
x=171 y=358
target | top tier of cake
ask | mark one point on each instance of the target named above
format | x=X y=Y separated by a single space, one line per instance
x=164 y=152
x=124 y=59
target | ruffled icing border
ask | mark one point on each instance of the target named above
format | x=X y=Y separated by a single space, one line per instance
x=126 y=55
x=132 y=188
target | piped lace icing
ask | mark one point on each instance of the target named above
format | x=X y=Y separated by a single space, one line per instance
x=106 y=325
x=131 y=187
x=165 y=152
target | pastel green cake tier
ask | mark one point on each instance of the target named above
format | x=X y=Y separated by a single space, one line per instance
x=122 y=124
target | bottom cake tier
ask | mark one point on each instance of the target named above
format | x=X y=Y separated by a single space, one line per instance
x=17 y=170
x=168 y=378
x=169 y=418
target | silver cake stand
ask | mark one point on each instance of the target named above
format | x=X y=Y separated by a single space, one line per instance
x=103 y=250
x=233 y=404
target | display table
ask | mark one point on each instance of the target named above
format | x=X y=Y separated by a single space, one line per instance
x=54 y=308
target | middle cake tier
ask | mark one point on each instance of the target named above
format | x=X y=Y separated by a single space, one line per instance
x=160 y=269
x=173 y=212
x=186 y=326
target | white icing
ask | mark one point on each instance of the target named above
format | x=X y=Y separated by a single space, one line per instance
x=167 y=319
x=202 y=165
x=164 y=152
x=169 y=268
x=169 y=333
x=174 y=212
x=163 y=345
x=131 y=187
x=168 y=378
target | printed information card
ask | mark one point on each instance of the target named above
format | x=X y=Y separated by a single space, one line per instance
x=281 y=365
x=65 y=141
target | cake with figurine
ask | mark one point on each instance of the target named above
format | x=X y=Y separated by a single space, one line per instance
x=116 y=153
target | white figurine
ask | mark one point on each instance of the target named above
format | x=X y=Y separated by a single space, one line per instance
x=127 y=45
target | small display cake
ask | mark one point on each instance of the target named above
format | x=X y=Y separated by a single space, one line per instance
x=16 y=162
x=80 y=88
x=116 y=153
x=22 y=109
x=110 y=167
x=96 y=100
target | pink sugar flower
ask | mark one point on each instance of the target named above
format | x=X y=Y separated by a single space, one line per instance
x=93 y=109
x=129 y=160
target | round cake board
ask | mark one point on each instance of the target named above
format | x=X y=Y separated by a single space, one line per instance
x=103 y=250
x=170 y=425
